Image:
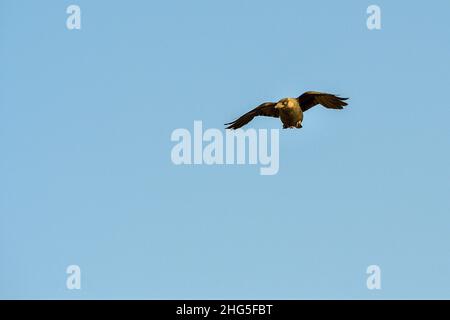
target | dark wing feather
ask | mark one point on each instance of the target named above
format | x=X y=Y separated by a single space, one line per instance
x=266 y=109
x=311 y=98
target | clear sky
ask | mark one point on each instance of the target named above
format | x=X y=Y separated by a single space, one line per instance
x=86 y=176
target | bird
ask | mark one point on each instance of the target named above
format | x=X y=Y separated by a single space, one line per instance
x=290 y=110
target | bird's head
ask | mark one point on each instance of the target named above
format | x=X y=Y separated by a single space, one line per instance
x=284 y=103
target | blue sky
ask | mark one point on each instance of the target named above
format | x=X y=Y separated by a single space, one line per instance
x=86 y=175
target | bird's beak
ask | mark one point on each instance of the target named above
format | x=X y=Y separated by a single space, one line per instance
x=278 y=106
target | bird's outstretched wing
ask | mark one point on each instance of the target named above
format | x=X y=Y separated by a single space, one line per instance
x=266 y=109
x=311 y=98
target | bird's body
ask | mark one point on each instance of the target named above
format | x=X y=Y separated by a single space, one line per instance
x=290 y=110
x=291 y=114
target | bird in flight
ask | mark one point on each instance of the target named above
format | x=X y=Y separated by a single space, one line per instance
x=290 y=110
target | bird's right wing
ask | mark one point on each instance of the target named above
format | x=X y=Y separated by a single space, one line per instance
x=266 y=109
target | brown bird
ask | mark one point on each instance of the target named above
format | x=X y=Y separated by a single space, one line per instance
x=290 y=110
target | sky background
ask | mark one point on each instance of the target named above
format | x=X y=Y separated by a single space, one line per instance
x=86 y=176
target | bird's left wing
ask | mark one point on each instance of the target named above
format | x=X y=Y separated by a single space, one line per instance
x=312 y=98
x=266 y=109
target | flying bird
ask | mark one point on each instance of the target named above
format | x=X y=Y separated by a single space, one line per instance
x=290 y=110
